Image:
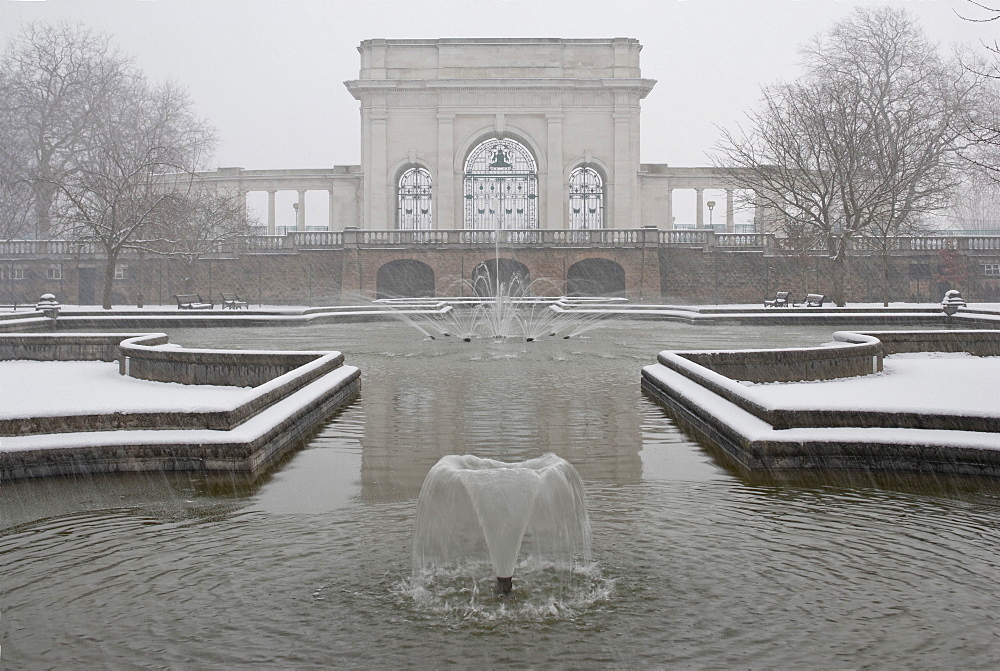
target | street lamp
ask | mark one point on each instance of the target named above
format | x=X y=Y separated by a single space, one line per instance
x=711 y=206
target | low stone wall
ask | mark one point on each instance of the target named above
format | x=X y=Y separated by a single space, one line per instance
x=975 y=342
x=750 y=430
x=291 y=392
x=859 y=356
x=147 y=359
x=245 y=450
x=69 y=346
x=255 y=401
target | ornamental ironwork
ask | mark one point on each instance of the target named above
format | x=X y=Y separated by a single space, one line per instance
x=586 y=198
x=415 y=199
x=501 y=186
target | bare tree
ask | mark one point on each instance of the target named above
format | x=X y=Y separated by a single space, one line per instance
x=866 y=143
x=15 y=188
x=115 y=195
x=976 y=206
x=53 y=80
x=199 y=222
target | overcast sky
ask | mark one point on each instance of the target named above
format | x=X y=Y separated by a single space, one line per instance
x=269 y=73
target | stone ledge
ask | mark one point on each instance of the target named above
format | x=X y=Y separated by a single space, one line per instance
x=759 y=436
x=243 y=438
x=246 y=448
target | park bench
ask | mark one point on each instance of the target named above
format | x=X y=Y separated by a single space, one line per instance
x=233 y=302
x=780 y=300
x=17 y=304
x=192 y=302
x=813 y=301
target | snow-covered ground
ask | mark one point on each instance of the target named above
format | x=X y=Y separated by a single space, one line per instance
x=919 y=382
x=52 y=388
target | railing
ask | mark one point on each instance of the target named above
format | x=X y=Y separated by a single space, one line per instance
x=45 y=247
x=743 y=240
x=314 y=239
x=929 y=243
x=684 y=237
x=508 y=237
x=595 y=238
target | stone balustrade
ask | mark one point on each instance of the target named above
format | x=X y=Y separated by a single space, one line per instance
x=606 y=237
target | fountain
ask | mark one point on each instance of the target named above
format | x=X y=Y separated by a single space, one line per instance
x=515 y=311
x=467 y=502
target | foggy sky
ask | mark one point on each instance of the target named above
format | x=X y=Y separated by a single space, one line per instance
x=268 y=74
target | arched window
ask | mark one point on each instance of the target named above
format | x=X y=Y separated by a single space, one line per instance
x=586 y=198
x=501 y=186
x=415 y=199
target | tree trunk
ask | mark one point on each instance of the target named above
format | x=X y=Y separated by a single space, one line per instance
x=837 y=275
x=109 y=280
x=885 y=280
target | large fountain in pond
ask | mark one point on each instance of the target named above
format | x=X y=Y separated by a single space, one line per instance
x=487 y=308
x=474 y=508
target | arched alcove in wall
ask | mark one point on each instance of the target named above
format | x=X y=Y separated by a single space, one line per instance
x=595 y=277
x=513 y=277
x=405 y=278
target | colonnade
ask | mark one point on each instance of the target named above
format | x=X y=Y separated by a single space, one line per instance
x=300 y=209
x=700 y=208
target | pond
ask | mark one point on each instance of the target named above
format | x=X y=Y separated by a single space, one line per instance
x=309 y=564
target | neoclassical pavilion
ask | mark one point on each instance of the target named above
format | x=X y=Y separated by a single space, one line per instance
x=493 y=133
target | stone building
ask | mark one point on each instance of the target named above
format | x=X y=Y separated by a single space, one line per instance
x=499 y=133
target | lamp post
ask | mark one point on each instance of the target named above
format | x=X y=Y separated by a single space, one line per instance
x=711 y=206
x=295 y=207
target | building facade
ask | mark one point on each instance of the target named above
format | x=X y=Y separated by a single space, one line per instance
x=492 y=134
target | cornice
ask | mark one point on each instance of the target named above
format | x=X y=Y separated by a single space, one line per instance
x=359 y=87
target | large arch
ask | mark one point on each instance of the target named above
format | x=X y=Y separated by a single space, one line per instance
x=595 y=277
x=514 y=277
x=405 y=278
x=500 y=186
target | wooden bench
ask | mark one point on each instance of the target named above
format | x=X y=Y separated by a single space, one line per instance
x=17 y=304
x=813 y=301
x=780 y=300
x=192 y=302
x=233 y=302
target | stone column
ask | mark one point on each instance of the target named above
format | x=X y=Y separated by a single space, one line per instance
x=670 y=209
x=270 y=211
x=700 y=209
x=444 y=188
x=331 y=220
x=376 y=171
x=623 y=168
x=300 y=212
x=243 y=204
x=730 y=215
x=555 y=208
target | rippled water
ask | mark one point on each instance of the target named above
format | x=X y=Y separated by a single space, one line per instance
x=309 y=565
